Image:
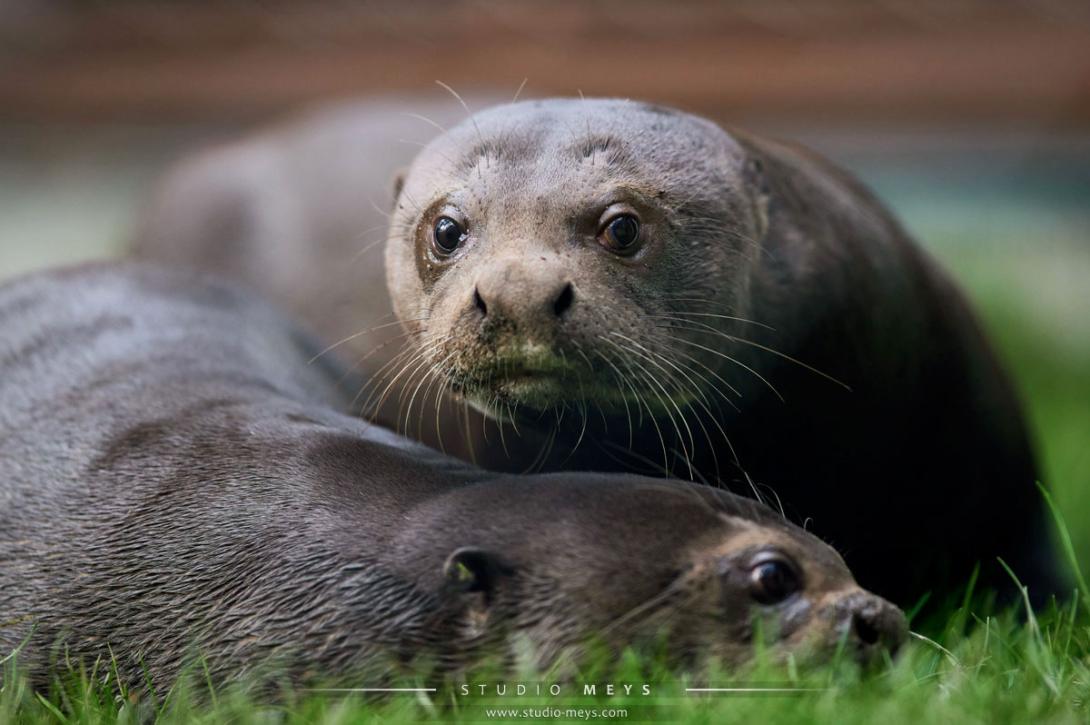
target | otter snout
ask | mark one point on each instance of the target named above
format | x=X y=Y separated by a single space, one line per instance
x=870 y=625
x=528 y=299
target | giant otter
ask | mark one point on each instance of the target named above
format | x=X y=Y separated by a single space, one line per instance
x=176 y=478
x=627 y=287
x=647 y=287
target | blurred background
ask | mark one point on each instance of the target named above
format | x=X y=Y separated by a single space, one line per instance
x=971 y=118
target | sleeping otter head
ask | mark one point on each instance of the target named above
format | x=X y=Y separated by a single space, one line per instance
x=561 y=253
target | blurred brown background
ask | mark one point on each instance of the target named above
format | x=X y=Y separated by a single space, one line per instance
x=834 y=61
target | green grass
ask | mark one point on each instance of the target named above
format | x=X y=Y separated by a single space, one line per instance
x=985 y=669
x=975 y=667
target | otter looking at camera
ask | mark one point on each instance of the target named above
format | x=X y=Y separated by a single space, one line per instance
x=635 y=288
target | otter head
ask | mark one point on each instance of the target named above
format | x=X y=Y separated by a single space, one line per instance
x=581 y=558
x=562 y=252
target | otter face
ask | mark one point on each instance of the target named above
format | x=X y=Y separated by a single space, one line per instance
x=704 y=572
x=787 y=588
x=556 y=253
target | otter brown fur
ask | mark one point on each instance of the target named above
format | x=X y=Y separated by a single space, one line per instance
x=175 y=478
x=781 y=334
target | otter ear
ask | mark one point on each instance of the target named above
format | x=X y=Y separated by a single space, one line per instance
x=399 y=183
x=756 y=180
x=474 y=576
x=473 y=570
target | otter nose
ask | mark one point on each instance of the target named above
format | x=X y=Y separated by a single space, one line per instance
x=523 y=303
x=873 y=625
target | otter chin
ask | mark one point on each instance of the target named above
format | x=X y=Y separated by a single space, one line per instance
x=528 y=381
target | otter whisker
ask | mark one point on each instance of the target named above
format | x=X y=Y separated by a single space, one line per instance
x=593 y=148
x=429 y=376
x=699 y=476
x=590 y=369
x=421 y=372
x=734 y=338
x=583 y=413
x=779 y=503
x=654 y=468
x=729 y=359
x=684 y=313
x=383 y=212
x=582 y=407
x=490 y=404
x=702 y=400
x=669 y=376
x=440 y=398
x=704 y=404
x=421 y=117
x=649 y=380
x=787 y=357
x=543 y=453
x=518 y=92
x=501 y=425
x=384 y=227
x=369 y=244
x=352 y=337
x=469 y=114
x=679 y=585
x=366 y=248
x=713 y=373
x=381 y=373
x=418 y=356
x=377 y=349
x=647 y=377
x=414 y=369
x=642 y=403
x=429 y=366
x=436 y=374
x=401 y=354
x=695 y=389
x=466 y=434
x=624 y=398
x=424 y=144
x=418 y=209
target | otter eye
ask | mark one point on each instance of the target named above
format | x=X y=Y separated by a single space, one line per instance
x=621 y=233
x=447 y=235
x=772 y=580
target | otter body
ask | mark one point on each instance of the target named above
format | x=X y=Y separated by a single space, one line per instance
x=175 y=479
x=769 y=328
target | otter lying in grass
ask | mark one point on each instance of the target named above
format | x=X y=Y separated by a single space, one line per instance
x=177 y=478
